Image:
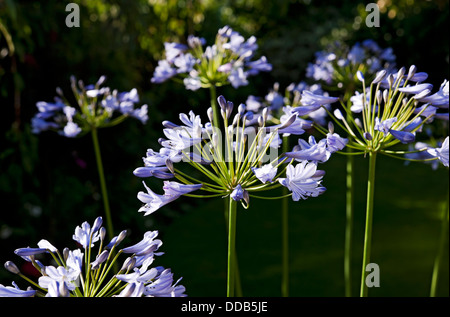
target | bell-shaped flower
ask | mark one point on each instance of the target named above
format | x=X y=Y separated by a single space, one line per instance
x=310 y=151
x=441 y=153
x=60 y=274
x=403 y=136
x=15 y=291
x=303 y=180
x=86 y=236
x=265 y=173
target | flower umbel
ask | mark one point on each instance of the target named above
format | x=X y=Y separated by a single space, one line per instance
x=227 y=61
x=76 y=274
x=238 y=162
x=96 y=108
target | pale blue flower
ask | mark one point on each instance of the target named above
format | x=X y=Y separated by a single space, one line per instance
x=132 y=290
x=148 y=241
x=172 y=191
x=163 y=286
x=163 y=72
x=60 y=274
x=85 y=235
x=335 y=142
x=173 y=50
x=238 y=77
x=303 y=180
x=441 y=153
x=238 y=193
x=99 y=259
x=403 y=136
x=260 y=65
x=309 y=99
x=160 y=172
x=416 y=89
x=75 y=260
x=39 y=125
x=184 y=63
x=71 y=129
x=24 y=252
x=265 y=173
x=384 y=126
x=439 y=99
x=310 y=151
x=192 y=83
x=15 y=291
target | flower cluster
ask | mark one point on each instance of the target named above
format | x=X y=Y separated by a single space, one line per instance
x=238 y=162
x=96 y=108
x=337 y=65
x=76 y=274
x=227 y=61
x=392 y=110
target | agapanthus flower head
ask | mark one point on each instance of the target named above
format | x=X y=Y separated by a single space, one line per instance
x=96 y=107
x=238 y=161
x=87 y=272
x=230 y=60
x=391 y=109
x=341 y=66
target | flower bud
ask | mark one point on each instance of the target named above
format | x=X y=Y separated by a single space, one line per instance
x=11 y=267
x=100 y=259
x=368 y=136
x=66 y=254
x=210 y=113
x=331 y=127
x=379 y=96
x=390 y=80
x=229 y=108
x=411 y=72
x=401 y=72
x=379 y=77
x=128 y=264
x=222 y=102
x=385 y=95
x=360 y=76
x=97 y=224
x=102 y=233
x=241 y=109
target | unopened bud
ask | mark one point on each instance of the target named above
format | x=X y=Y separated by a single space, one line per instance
x=210 y=113
x=331 y=127
x=411 y=72
x=11 y=267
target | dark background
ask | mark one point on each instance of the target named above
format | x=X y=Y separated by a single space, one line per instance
x=45 y=192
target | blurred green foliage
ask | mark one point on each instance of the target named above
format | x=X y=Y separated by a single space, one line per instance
x=48 y=184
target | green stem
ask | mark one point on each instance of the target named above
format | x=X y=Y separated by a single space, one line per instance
x=285 y=234
x=231 y=273
x=441 y=248
x=348 y=226
x=216 y=111
x=101 y=175
x=369 y=216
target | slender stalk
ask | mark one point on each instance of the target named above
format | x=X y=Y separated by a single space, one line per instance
x=238 y=287
x=216 y=111
x=349 y=211
x=285 y=233
x=231 y=273
x=369 y=216
x=441 y=249
x=101 y=175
